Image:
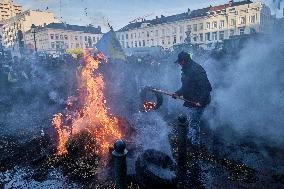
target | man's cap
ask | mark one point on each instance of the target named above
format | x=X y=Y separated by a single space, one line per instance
x=183 y=56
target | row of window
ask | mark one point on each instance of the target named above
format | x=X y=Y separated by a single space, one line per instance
x=202 y=37
x=57 y=36
x=13 y=28
x=62 y=45
x=221 y=24
x=214 y=36
x=152 y=33
x=210 y=36
x=152 y=42
x=76 y=38
x=209 y=25
x=243 y=20
x=58 y=45
x=195 y=27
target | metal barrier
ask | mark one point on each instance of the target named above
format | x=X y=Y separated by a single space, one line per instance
x=120 y=167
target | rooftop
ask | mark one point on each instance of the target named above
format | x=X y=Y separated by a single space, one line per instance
x=187 y=15
x=23 y=14
x=63 y=26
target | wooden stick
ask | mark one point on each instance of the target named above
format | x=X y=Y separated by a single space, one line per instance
x=172 y=94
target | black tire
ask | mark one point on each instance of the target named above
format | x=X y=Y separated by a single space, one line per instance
x=156 y=178
x=159 y=97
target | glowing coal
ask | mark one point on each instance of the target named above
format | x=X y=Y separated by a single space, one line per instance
x=149 y=106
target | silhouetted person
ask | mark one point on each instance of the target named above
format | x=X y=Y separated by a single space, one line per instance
x=195 y=88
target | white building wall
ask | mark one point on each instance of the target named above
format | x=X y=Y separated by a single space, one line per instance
x=222 y=24
x=9 y=9
x=56 y=40
x=23 y=22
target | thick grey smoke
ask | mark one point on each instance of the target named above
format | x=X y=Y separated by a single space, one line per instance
x=124 y=98
x=152 y=131
x=276 y=6
x=30 y=103
x=277 y=3
x=248 y=95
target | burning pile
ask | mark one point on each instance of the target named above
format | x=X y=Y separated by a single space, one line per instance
x=151 y=100
x=91 y=113
x=149 y=106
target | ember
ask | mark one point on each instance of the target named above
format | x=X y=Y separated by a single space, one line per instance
x=92 y=114
x=149 y=106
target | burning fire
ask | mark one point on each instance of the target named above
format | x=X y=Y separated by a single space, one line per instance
x=92 y=114
x=149 y=106
x=62 y=134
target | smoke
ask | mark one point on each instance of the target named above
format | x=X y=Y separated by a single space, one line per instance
x=277 y=3
x=123 y=97
x=152 y=131
x=276 y=6
x=30 y=102
x=247 y=90
x=248 y=94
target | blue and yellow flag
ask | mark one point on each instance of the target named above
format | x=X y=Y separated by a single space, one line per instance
x=110 y=46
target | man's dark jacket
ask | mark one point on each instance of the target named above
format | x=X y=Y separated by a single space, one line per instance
x=195 y=84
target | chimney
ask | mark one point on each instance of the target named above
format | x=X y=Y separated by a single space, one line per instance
x=188 y=11
x=157 y=17
x=231 y=2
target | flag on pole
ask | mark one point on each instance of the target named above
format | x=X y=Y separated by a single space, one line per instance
x=110 y=46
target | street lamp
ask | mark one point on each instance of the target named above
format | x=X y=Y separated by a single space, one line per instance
x=33 y=31
x=188 y=36
x=1 y=47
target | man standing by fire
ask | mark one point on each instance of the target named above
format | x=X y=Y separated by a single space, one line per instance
x=196 y=90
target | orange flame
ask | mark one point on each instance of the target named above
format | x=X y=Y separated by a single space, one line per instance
x=62 y=134
x=93 y=115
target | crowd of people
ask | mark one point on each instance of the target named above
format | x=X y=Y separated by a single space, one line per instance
x=32 y=84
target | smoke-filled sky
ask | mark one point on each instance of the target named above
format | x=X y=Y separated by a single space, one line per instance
x=249 y=95
x=117 y=12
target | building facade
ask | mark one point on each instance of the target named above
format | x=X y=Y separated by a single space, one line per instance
x=14 y=28
x=60 y=37
x=203 y=27
x=9 y=9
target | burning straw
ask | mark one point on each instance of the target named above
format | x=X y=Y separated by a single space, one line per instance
x=92 y=113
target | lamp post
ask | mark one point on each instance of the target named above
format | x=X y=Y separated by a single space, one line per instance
x=188 y=36
x=1 y=48
x=33 y=31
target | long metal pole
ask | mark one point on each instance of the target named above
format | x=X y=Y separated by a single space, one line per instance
x=2 y=50
x=171 y=94
x=35 y=41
